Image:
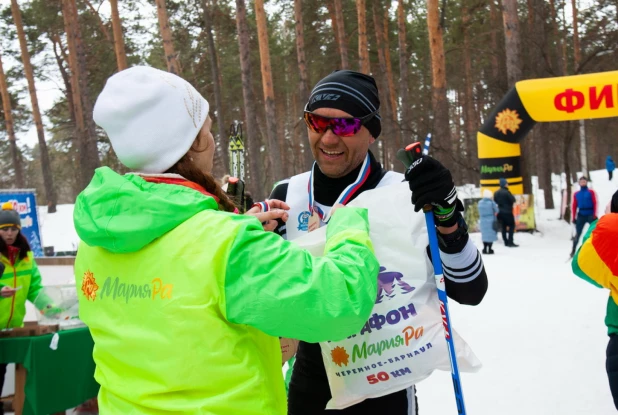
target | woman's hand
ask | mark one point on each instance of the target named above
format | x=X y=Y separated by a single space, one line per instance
x=7 y=292
x=276 y=210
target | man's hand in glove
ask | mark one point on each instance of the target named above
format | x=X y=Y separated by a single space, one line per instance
x=432 y=184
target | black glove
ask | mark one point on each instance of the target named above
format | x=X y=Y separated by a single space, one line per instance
x=432 y=184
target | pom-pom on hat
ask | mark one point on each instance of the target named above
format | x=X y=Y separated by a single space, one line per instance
x=9 y=217
x=151 y=117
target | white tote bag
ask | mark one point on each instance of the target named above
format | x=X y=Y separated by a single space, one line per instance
x=403 y=342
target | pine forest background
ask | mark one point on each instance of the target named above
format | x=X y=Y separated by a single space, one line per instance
x=441 y=66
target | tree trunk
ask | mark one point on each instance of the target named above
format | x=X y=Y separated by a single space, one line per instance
x=469 y=114
x=258 y=182
x=363 y=45
x=388 y=127
x=91 y=134
x=303 y=85
x=406 y=109
x=66 y=78
x=48 y=180
x=171 y=57
x=495 y=64
x=512 y=41
x=88 y=152
x=567 y=168
x=576 y=69
x=576 y=47
x=221 y=146
x=512 y=36
x=121 y=56
x=332 y=13
x=441 y=122
x=10 y=131
x=274 y=146
x=542 y=143
x=343 y=48
x=392 y=94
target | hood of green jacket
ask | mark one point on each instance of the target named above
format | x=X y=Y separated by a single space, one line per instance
x=125 y=213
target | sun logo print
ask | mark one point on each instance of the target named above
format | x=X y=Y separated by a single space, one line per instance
x=508 y=120
x=340 y=356
x=89 y=286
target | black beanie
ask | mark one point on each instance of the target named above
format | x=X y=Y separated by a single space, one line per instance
x=614 y=206
x=349 y=91
x=9 y=217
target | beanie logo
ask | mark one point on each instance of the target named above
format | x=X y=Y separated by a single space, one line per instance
x=89 y=286
x=193 y=106
x=324 y=97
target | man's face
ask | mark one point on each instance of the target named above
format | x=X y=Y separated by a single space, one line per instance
x=337 y=156
x=583 y=182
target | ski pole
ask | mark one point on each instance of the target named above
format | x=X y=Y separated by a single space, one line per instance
x=408 y=156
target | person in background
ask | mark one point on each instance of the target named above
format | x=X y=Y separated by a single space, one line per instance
x=584 y=209
x=20 y=279
x=610 y=166
x=596 y=262
x=197 y=293
x=505 y=200
x=487 y=213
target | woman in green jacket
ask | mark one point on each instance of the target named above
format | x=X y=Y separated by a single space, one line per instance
x=20 y=279
x=186 y=299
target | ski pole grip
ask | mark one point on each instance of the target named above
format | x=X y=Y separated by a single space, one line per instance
x=408 y=156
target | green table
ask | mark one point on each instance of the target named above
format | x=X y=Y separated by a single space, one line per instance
x=56 y=379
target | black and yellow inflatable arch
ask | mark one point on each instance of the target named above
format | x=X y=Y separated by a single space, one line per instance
x=539 y=100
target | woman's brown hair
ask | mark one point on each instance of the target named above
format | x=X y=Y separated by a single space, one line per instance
x=187 y=169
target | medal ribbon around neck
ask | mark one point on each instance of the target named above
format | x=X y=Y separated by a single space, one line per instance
x=345 y=196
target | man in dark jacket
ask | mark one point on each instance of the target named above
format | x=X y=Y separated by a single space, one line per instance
x=505 y=200
x=584 y=209
x=343 y=119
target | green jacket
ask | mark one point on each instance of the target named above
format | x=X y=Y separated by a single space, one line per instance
x=185 y=303
x=23 y=273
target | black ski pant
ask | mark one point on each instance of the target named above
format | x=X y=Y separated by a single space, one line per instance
x=611 y=174
x=309 y=393
x=611 y=365
x=2 y=373
x=507 y=220
x=581 y=221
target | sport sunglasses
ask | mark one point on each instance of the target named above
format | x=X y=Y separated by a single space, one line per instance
x=341 y=126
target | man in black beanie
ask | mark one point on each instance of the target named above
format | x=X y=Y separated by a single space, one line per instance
x=343 y=120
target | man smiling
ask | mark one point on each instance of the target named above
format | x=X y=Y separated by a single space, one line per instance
x=343 y=120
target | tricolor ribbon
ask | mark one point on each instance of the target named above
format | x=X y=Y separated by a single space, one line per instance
x=345 y=196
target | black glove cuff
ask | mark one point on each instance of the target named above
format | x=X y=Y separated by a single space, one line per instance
x=454 y=242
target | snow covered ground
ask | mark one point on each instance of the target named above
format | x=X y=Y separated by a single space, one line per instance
x=539 y=331
x=57 y=229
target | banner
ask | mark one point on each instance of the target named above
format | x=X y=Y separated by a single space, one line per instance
x=403 y=341
x=24 y=202
x=523 y=210
x=538 y=100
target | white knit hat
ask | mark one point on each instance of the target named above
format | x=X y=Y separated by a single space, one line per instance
x=151 y=117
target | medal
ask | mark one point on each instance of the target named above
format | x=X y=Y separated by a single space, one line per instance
x=318 y=216
x=314 y=221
